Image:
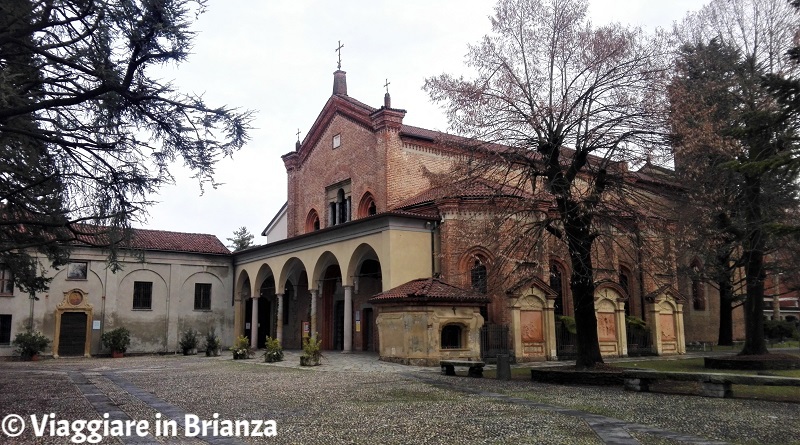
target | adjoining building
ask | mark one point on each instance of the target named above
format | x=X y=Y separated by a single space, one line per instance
x=170 y=282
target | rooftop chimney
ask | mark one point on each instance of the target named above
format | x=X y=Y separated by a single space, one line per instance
x=340 y=83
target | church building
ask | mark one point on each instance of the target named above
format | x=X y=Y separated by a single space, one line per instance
x=380 y=254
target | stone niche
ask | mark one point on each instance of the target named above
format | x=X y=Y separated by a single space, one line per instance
x=609 y=305
x=425 y=321
x=665 y=319
x=533 y=321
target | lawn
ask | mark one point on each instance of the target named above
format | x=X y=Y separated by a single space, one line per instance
x=695 y=364
x=775 y=393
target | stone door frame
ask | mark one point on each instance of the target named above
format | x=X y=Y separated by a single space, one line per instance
x=75 y=300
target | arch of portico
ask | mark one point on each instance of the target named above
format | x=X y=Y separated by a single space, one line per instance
x=401 y=255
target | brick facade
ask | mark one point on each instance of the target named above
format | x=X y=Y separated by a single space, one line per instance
x=380 y=156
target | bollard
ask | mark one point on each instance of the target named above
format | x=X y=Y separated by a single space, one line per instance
x=503 y=367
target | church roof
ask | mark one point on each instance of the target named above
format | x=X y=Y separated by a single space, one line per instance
x=468 y=188
x=428 y=290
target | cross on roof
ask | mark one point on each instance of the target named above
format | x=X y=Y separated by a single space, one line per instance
x=387 y=85
x=339 y=50
x=298 y=134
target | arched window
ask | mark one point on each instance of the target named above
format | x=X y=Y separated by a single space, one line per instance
x=312 y=221
x=367 y=207
x=478 y=276
x=451 y=337
x=698 y=289
x=557 y=284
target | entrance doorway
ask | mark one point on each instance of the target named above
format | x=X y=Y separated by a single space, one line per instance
x=265 y=328
x=72 y=336
x=367 y=336
x=338 y=325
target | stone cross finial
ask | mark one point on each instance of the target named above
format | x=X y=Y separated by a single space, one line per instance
x=298 y=135
x=386 y=85
x=339 y=50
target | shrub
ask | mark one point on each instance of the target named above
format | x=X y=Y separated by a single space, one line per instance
x=188 y=341
x=312 y=351
x=30 y=343
x=635 y=324
x=212 y=344
x=778 y=329
x=241 y=348
x=274 y=350
x=117 y=339
x=568 y=323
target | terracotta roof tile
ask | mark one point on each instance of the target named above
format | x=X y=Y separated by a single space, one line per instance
x=425 y=290
x=145 y=239
x=470 y=188
x=177 y=242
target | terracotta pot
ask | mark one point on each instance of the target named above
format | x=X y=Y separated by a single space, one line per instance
x=117 y=354
x=35 y=358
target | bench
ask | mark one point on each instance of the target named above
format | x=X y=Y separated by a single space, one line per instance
x=475 y=367
x=714 y=384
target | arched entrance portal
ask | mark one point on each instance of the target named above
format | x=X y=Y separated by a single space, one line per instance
x=265 y=320
x=332 y=316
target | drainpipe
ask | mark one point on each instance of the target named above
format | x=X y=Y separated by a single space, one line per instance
x=433 y=225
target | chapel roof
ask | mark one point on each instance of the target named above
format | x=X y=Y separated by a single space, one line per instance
x=161 y=240
x=428 y=290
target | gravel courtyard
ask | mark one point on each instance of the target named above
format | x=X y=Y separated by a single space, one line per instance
x=357 y=400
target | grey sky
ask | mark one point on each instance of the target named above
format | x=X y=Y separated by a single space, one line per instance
x=277 y=57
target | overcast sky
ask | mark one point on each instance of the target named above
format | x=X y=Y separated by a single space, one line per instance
x=277 y=57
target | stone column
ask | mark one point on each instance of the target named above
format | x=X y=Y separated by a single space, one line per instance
x=348 y=318
x=279 y=319
x=313 y=293
x=254 y=323
x=238 y=315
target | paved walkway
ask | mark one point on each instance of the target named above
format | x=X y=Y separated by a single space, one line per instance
x=611 y=431
x=348 y=387
x=368 y=362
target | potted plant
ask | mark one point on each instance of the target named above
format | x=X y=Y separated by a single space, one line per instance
x=274 y=350
x=117 y=340
x=30 y=344
x=212 y=344
x=188 y=342
x=241 y=348
x=312 y=351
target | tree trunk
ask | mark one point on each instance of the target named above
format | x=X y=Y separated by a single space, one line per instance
x=582 y=285
x=725 y=311
x=754 y=343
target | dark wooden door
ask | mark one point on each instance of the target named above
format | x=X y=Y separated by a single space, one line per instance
x=338 y=326
x=72 y=339
x=367 y=337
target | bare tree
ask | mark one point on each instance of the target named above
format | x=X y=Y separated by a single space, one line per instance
x=568 y=102
x=87 y=129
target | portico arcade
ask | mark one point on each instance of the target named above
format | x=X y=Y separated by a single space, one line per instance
x=324 y=278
